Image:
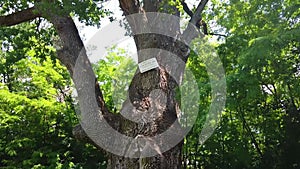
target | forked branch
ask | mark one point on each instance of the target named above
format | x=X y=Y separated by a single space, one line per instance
x=196 y=18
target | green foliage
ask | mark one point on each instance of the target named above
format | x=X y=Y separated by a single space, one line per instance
x=37 y=118
x=260 y=126
x=8 y=6
x=88 y=12
x=114 y=74
x=36 y=108
x=171 y=7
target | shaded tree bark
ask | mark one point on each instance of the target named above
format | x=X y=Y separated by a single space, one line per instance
x=19 y=17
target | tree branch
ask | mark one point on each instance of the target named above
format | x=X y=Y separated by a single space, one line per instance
x=198 y=12
x=205 y=30
x=19 y=17
x=196 y=18
x=252 y=137
x=217 y=34
x=186 y=8
x=192 y=30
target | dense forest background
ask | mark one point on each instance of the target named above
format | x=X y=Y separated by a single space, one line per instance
x=259 y=128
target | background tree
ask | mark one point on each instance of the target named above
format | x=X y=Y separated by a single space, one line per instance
x=260 y=126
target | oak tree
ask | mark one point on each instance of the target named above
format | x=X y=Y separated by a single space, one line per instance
x=59 y=14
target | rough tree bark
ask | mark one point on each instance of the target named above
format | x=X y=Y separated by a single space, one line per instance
x=141 y=85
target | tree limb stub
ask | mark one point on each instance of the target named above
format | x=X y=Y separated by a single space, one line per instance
x=19 y=17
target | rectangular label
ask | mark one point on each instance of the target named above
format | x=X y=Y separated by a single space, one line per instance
x=148 y=65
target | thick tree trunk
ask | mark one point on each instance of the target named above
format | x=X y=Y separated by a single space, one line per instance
x=154 y=89
x=169 y=159
x=141 y=95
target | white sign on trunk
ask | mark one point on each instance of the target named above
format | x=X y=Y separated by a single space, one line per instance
x=148 y=65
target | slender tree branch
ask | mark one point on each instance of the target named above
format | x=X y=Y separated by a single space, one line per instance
x=205 y=29
x=186 y=8
x=19 y=17
x=217 y=34
x=248 y=129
